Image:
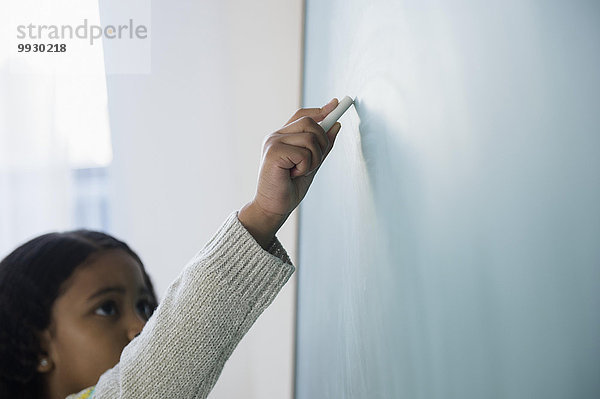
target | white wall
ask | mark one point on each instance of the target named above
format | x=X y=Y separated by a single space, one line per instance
x=187 y=141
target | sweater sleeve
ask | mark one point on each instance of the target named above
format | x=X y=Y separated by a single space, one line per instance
x=205 y=313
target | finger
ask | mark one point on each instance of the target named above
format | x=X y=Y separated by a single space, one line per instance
x=308 y=125
x=296 y=159
x=318 y=114
x=308 y=141
x=331 y=135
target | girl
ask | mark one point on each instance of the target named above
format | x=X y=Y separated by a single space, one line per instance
x=77 y=309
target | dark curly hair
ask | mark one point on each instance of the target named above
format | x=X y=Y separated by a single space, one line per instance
x=30 y=281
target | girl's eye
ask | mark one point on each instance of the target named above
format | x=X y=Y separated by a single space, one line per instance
x=108 y=308
x=146 y=308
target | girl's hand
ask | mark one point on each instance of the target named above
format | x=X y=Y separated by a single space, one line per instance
x=290 y=158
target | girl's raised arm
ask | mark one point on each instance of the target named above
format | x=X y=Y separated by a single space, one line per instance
x=227 y=285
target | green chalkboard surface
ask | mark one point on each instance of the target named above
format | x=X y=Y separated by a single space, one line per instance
x=450 y=245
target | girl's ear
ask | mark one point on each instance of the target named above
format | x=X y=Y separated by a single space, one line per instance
x=45 y=361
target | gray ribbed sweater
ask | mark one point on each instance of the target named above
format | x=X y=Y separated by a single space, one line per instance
x=205 y=313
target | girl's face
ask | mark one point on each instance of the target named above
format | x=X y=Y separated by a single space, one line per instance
x=104 y=305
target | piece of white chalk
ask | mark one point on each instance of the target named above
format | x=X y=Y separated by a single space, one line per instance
x=337 y=112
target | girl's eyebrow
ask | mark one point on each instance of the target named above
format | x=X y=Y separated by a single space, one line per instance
x=119 y=289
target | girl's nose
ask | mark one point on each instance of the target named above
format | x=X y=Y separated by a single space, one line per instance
x=134 y=325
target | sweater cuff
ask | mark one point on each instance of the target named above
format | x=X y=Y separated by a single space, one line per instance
x=233 y=234
x=275 y=248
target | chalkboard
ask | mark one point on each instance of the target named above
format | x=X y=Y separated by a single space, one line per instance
x=450 y=245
